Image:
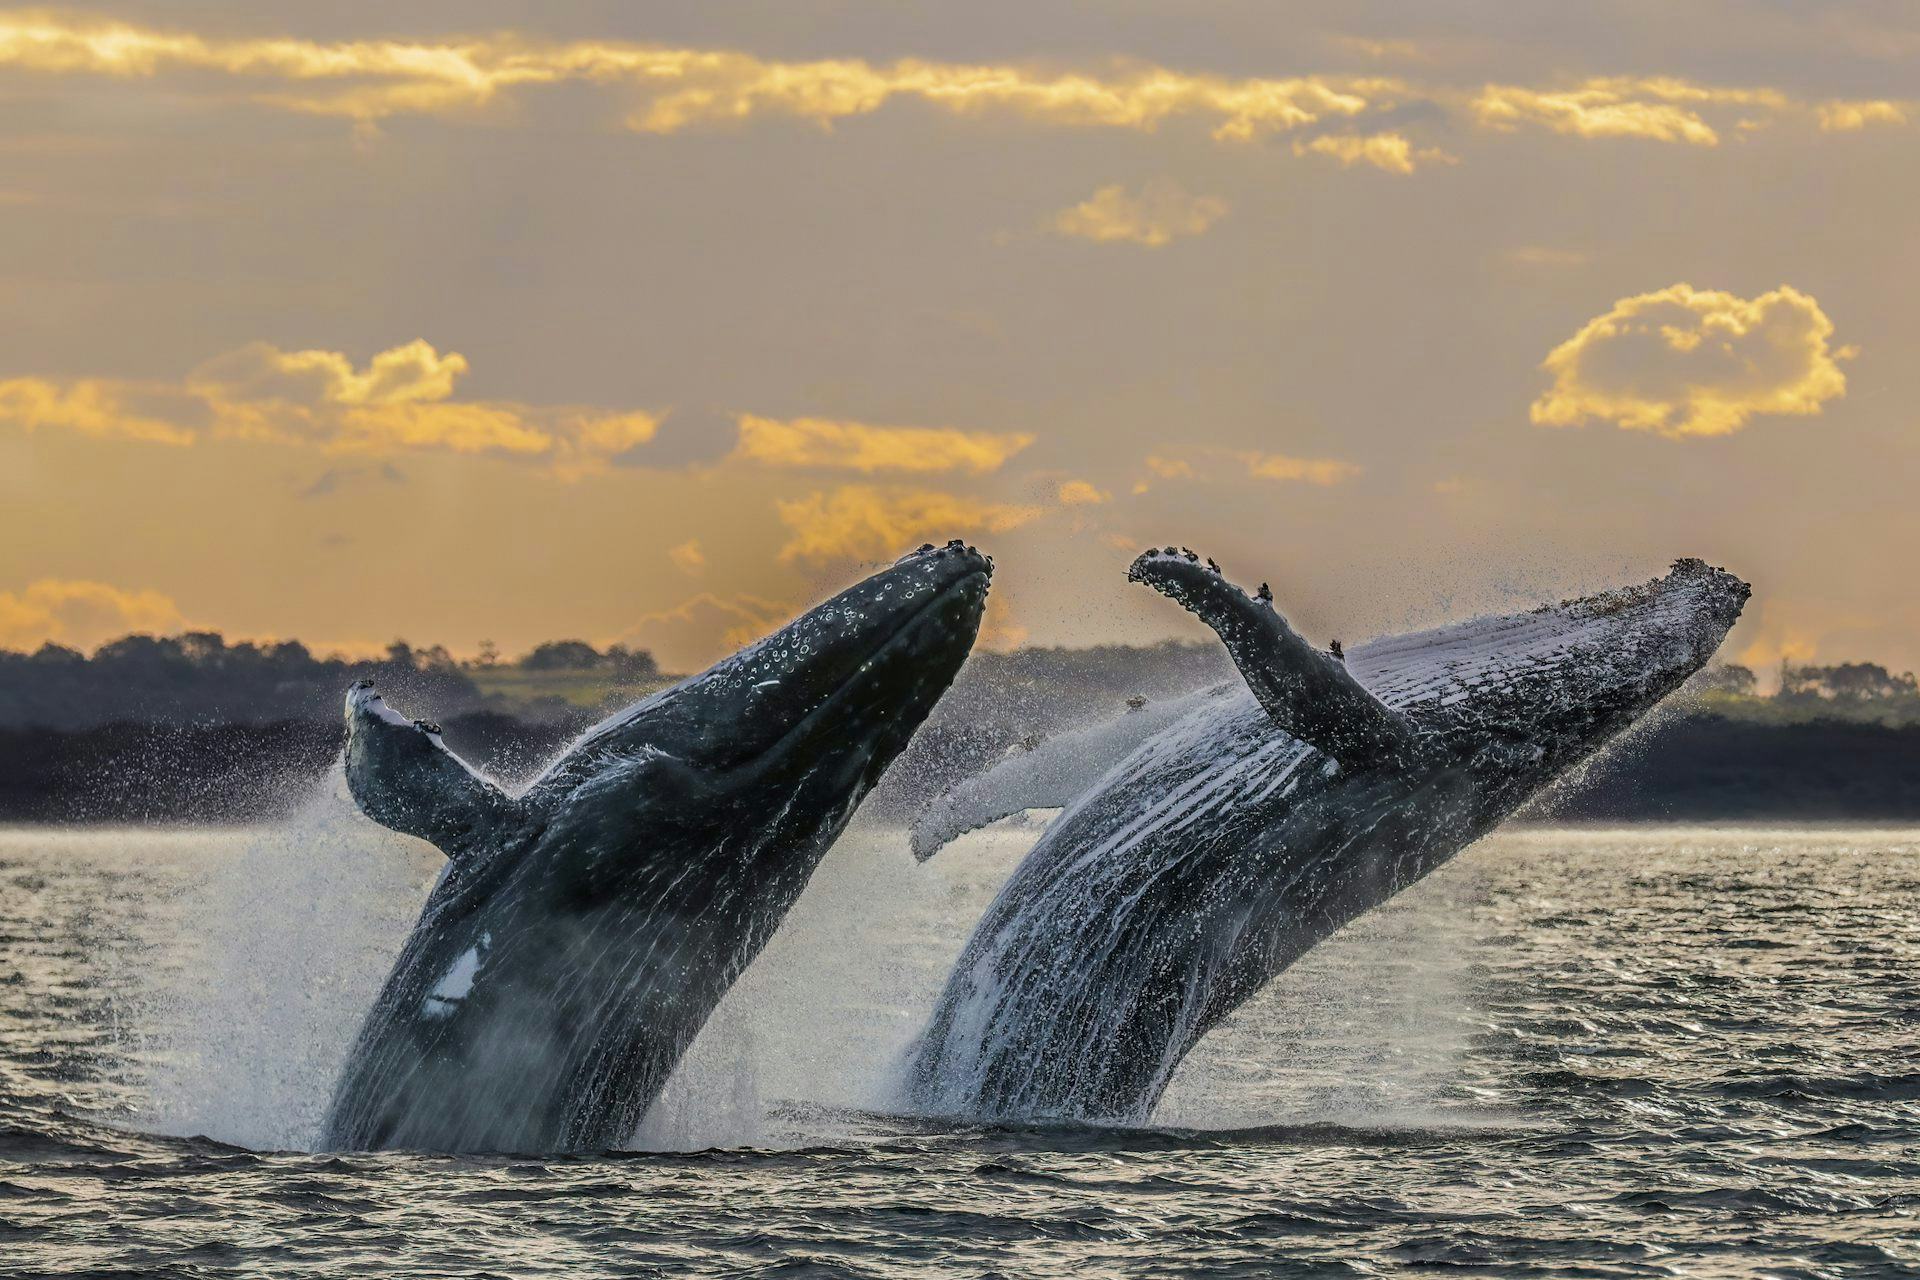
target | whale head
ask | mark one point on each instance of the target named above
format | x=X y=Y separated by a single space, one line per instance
x=1532 y=694
x=789 y=733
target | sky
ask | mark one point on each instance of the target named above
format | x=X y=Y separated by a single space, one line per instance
x=656 y=323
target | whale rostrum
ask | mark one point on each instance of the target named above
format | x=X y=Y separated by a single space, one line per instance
x=583 y=930
x=1204 y=851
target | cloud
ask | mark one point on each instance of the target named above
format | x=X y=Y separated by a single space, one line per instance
x=90 y=406
x=400 y=402
x=1690 y=362
x=1389 y=151
x=1160 y=213
x=1079 y=493
x=1250 y=463
x=1851 y=117
x=672 y=88
x=1545 y=255
x=1279 y=466
x=665 y=89
x=689 y=558
x=1658 y=109
x=81 y=614
x=698 y=632
x=858 y=446
x=1164 y=468
x=862 y=522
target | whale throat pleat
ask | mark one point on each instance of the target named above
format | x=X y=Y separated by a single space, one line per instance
x=1308 y=693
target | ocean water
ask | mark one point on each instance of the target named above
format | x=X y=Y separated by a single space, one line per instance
x=1640 y=1052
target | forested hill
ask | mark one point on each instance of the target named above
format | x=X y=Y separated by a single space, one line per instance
x=193 y=728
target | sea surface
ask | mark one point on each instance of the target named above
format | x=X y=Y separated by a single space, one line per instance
x=1640 y=1052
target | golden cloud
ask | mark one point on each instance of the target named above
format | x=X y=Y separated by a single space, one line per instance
x=90 y=406
x=370 y=80
x=1389 y=151
x=1080 y=493
x=863 y=522
x=81 y=614
x=689 y=558
x=1658 y=109
x=1279 y=466
x=1158 y=214
x=1545 y=255
x=1851 y=117
x=1692 y=362
x=400 y=402
x=1250 y=463
x=667 y=89
x=859 y=446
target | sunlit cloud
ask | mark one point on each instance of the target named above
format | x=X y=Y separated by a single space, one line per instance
x=371 y=80
x=1546 y=255
x=1389 y=151
x=1154 y=216
x=1656 y=109
x=699 y=631
x=864 y=522
x=1216 y=464
x=1690 y=362
x=400 y=402
x=666 y=89
x=1080 y=493
x=688 y=558
x=96 y=407
x=1851 y=117
x=863 y=447
x=81 y=614
x=1280 y=466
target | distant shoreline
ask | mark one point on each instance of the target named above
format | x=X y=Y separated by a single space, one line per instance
x=1688 y=768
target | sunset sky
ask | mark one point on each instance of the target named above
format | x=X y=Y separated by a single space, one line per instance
x=655 y=322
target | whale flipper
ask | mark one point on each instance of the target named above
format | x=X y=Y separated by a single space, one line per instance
x=1309 y=694
x=1051 y=776
x=403 y=777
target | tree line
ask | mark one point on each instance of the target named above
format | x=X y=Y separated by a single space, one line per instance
x=200 y=678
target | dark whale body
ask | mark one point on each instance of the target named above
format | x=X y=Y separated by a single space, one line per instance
x=1231 y=841
x=583 y=931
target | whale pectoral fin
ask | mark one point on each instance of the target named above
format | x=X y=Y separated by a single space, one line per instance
x=1308 y=693
x=403 y=776
x=1051 y=776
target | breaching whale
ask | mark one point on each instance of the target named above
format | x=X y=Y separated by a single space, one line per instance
x=1227 y=844
x=583 y=931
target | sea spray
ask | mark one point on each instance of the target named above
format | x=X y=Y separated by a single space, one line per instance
x=814 y=1028
x=285 y=933
x=282 y=945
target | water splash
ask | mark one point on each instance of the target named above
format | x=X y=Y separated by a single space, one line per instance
x=284 y=935
x=284 y=942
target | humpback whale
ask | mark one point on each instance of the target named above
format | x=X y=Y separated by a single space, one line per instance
x=583 y=930
x=1225 y=845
